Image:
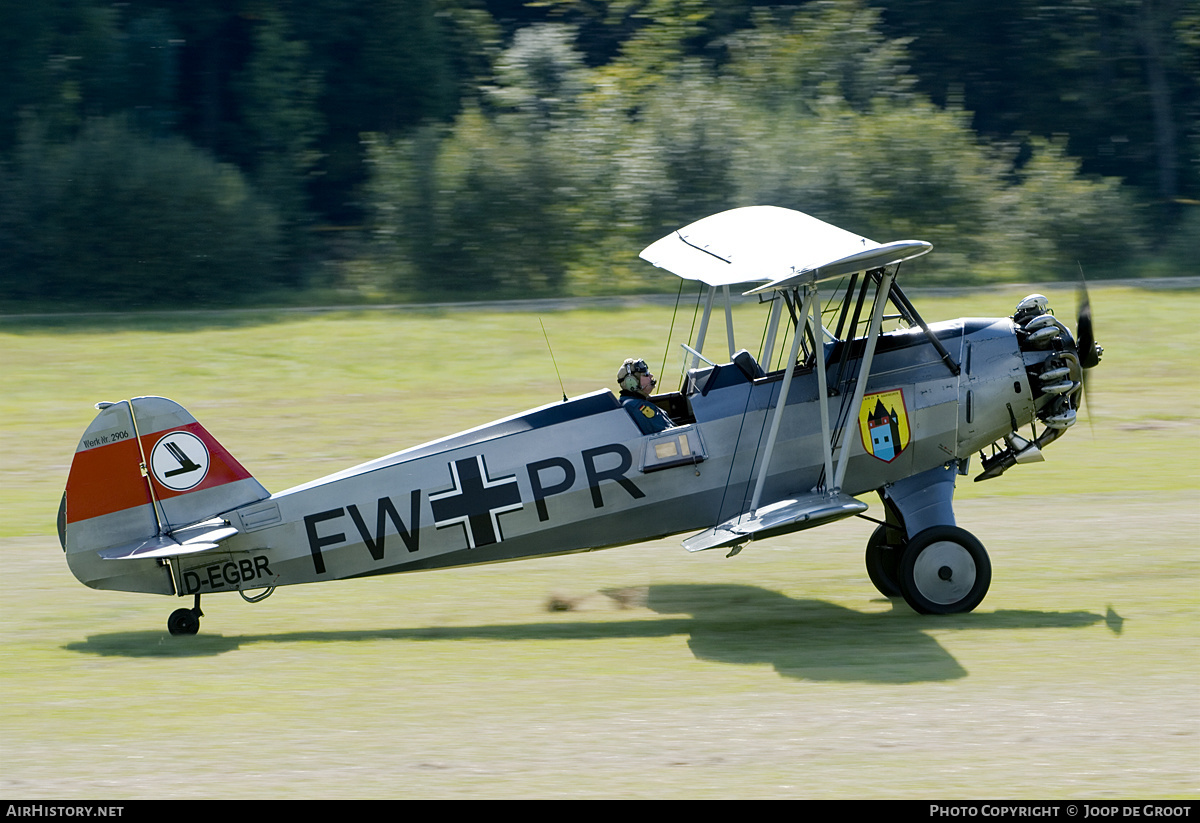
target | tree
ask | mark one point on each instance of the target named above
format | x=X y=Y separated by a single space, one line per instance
x=1113 y=75
x=118 y=219
x=478 y=208
x=386 y=68
x=278 y=101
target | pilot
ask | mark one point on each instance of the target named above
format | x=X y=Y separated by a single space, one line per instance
x=636 y=383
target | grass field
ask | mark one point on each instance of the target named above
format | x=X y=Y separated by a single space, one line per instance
x=777 y=673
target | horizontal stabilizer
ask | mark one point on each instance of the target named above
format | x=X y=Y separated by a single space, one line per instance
x=780 y=517
x=193 y=541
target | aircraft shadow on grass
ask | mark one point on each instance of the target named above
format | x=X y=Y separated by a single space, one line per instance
x=736 y=624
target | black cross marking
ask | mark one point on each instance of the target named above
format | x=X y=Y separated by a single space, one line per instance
x=475 y=501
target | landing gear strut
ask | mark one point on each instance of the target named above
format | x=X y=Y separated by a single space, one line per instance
x=937 y=567
x=185 y=621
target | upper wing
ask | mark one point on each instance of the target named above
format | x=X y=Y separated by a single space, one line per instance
x=780 y=247
x=872 y=258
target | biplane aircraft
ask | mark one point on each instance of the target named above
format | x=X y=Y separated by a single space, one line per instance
x=154 y=503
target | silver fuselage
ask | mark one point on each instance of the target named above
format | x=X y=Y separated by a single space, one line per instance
x=579 y=475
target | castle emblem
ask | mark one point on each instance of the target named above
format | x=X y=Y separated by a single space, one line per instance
x=883 y=424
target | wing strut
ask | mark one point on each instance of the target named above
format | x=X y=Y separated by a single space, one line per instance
x=901 y=300
x=810 y=292
x=703 y=332
x=822 y=385
x=810 y=313
x=768 y=349
x=708 y=307
x=821 y=505
x=728 y=322
x=805 y=510
x=864 y=371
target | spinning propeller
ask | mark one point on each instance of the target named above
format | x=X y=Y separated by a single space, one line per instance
x=1089 y=352
x=1085 y=337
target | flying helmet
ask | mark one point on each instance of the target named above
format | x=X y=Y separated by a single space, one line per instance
x=628 y=375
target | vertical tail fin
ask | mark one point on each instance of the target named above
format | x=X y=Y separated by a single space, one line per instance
x=144 y=468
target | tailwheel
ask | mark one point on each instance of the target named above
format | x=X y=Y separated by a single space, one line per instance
x=883 y=563
x=185 y=621
x=944 y=570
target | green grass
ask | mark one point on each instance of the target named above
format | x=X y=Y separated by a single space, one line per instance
x=776 y=673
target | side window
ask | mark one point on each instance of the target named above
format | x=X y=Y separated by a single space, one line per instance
x=680 y=446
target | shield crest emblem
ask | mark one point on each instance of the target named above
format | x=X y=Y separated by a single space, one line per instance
x=883 y=424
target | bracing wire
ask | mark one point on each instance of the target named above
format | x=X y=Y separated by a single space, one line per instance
x=552 y=360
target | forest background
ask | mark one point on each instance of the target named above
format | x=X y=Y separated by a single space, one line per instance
x=265 y=152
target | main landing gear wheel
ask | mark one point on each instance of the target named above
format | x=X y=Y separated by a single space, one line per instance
x=944 y=570
x=883 y=563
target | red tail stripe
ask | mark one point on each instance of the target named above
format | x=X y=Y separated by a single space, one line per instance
x=108 y=479
x=104 y=480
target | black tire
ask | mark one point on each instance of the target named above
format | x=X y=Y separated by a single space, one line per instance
x=944 y=570
x=883 y=563
x=183 y=621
